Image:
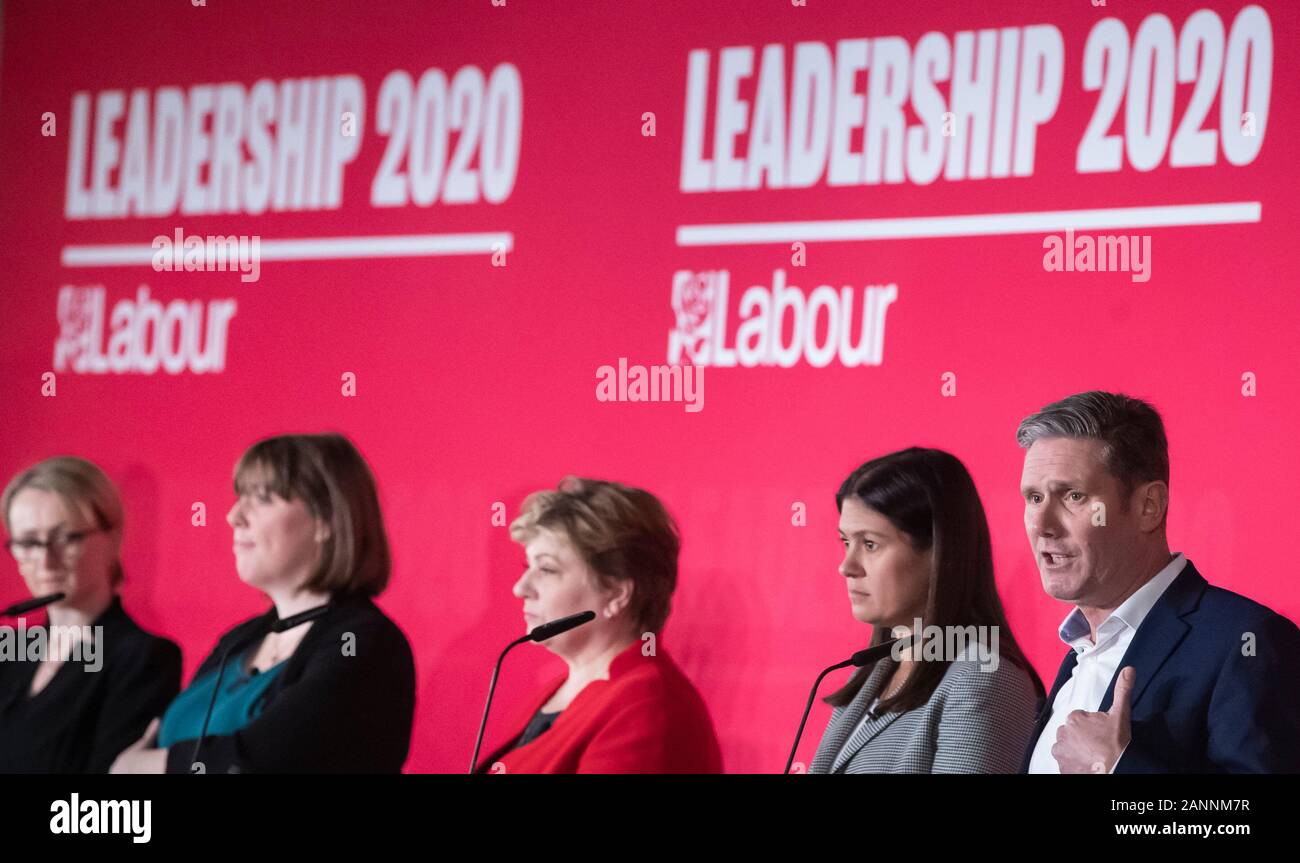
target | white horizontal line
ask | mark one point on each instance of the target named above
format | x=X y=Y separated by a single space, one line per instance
x=319 y=248
x=979 y=224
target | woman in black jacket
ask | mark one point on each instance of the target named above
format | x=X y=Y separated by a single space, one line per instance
x=334 y=694
x=71 y=700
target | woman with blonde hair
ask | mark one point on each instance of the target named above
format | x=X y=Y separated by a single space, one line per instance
x=57 y=714
x=624 y=706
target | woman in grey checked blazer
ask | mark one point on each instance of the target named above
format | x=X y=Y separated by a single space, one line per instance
x=916 y=547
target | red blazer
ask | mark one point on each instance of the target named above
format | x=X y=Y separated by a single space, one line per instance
x=646 y=718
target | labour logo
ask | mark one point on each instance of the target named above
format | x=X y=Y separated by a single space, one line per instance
x=694 y=298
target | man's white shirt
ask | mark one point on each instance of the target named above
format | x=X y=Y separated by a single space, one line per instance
x=1096 y=664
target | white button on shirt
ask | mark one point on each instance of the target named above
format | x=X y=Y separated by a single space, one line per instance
x=1096 y=664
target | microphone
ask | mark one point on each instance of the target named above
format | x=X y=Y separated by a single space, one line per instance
x=538 y=633
x=31 y=604
x=287 y=623
x=859 y=659
x=555 y=627
x=19 y=608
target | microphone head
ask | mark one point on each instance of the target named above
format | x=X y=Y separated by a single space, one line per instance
x=564 y=624
x=872 y=654
x=32 y=604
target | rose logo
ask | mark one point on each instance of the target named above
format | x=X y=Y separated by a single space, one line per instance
x=693 y=300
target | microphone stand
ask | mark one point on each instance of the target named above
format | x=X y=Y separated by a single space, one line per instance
x=284 y=625
x=539 y=633
x=859 y=659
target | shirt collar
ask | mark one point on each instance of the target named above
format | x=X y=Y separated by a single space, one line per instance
x=1131 y=611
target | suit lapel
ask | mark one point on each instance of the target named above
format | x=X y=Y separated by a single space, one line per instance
x=1062 y=675
x=843 y=724
x=839 y=728
x=1157 y=637
x=1159 y=633
x=848 y=741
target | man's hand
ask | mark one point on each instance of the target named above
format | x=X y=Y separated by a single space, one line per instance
x=1093 y=742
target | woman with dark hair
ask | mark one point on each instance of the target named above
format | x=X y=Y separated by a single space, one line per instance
x=960 y=697
x=335 y=694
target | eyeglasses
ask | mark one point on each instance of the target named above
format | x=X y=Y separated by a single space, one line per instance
x=64 y=545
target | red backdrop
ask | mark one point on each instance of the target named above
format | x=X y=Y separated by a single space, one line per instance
x=475 y=381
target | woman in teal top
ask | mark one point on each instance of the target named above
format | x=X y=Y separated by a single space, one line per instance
x=334 y=693
x=242 y=698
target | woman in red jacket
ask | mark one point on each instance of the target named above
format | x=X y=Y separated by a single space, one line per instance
x=624 y=706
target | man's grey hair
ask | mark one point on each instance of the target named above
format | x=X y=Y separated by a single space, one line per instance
x=1134 y=447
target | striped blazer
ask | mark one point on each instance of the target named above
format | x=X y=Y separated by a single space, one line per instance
x=975 y=722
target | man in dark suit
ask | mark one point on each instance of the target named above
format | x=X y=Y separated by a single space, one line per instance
x=1165 y=673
